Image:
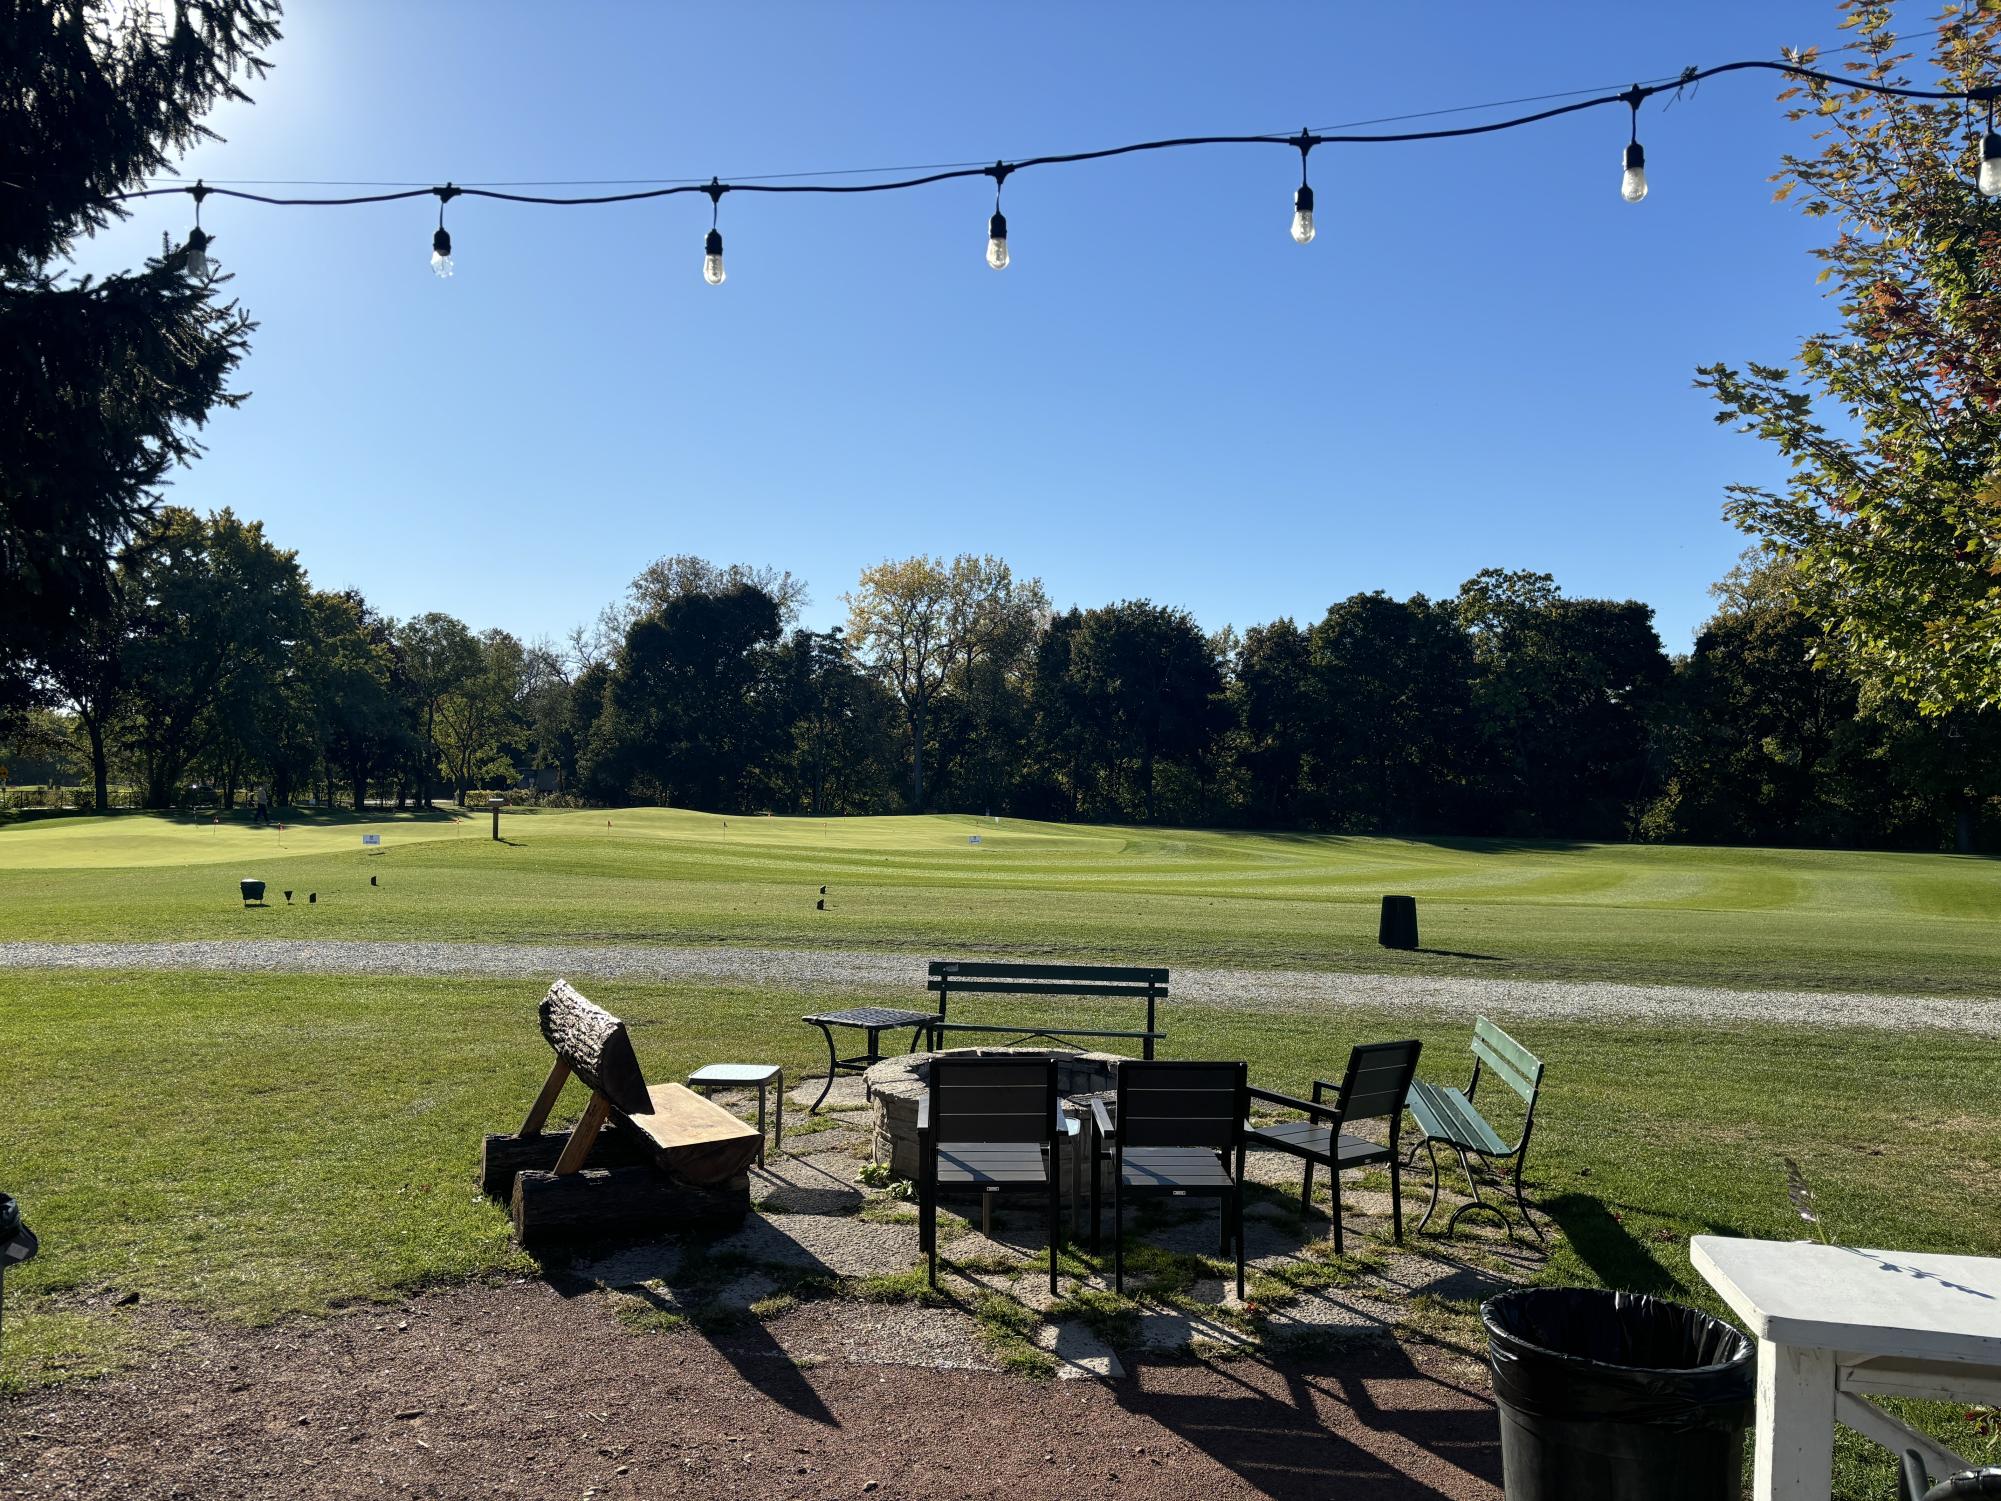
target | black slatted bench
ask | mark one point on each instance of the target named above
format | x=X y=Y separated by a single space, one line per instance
x=954 y=977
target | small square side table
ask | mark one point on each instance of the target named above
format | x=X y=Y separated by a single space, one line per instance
x=713 y=1076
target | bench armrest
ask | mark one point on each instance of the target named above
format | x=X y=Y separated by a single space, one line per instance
x=923 y=1113
x=1101 y=1119
x=1293 y=1102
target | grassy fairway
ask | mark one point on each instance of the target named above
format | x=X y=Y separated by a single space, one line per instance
x=1796 y=919
x=249 y=1146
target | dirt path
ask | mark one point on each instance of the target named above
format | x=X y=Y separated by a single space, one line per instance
x=877 y=970
x=520 y=1391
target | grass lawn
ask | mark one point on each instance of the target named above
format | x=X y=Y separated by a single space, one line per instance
x=1730 y=917
x=250 y=1146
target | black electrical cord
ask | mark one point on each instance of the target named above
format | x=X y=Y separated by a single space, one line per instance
x=1303 y=141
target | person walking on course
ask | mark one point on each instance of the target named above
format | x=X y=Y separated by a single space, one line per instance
x=263 y=801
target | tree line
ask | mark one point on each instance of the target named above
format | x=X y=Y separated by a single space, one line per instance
x=1508 y=709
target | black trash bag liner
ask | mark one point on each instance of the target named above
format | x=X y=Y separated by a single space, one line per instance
x=1617 y=1395
x=1590 y=1356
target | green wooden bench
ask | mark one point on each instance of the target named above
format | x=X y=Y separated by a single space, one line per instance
x=1449 y=1116
x=951 y=977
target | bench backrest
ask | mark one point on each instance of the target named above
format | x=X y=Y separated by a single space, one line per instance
x=594 y=1044
x=1498 y=1054
x=950 y=977
x=1182 y=1104
x=993 y=1099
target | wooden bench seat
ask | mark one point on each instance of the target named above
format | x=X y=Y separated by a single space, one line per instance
x=692 y=1137
x=1445 y=1113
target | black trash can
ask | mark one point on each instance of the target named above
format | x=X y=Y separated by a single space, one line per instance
x=1606 y=1394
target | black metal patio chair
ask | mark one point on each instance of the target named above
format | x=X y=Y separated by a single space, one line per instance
x=1374 y=1088
x=1179 y=1134
x=989 y=1126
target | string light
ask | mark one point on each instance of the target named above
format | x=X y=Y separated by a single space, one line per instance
x=441 y=242
x=1302 y=201
x=1632 y=186
x=997 y=224
x=712 y=247
x=197 y=266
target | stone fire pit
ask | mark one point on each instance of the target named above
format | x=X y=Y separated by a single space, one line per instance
x=896 y=1085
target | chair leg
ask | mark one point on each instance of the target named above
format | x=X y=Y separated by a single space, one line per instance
x=1238 y=1216
x=1055 y=1223
x=927 y=1231
x=1306 y=1187
x=1431 y=1208
x=1118 y=1240
x=1097 y=1200
x=1396 y=1198
x=1334 y=1186
x=1223 y=1227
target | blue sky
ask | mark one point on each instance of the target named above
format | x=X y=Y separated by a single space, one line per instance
x=1483 y=359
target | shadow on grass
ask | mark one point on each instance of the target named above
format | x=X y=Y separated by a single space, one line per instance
x=1603 y=1243
x=1462 y=954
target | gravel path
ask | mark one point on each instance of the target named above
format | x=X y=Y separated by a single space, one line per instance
x=811 y=971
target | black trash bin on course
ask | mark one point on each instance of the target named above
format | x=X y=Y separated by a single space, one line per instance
x=1617 y=1394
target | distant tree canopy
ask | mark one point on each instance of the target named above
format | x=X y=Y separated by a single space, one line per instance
x=1890 y=518
x=103 y=382
x=1509 y=709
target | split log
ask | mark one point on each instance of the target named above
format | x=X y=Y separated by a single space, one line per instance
x=620 y=1201
x=504 y=1156
x=692 y=1137
x=594 y=1044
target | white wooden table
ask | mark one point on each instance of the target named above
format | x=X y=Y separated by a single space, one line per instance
x=1835 y=1322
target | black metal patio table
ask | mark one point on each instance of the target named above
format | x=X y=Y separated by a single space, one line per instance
x=874 y=1020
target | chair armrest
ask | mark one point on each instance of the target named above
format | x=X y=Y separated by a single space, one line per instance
x=1101 y=1119
x=1293 y=1102
x=923 y=1112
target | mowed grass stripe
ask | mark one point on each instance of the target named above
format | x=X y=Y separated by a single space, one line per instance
x=1785 y=919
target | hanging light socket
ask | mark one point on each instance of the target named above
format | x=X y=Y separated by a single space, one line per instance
x=197 y=266
x=441 y=242
x=712 y=259
x=1990 y=165
x=1633 y=183
x=1302 y=215
x=997 y=241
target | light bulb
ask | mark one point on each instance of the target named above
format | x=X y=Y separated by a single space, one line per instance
x=1302 y=215
x=997 y=241
x=712 y=259
x=1990 y=165
x=1633 y=186
x=197 y=266
x=441 y=252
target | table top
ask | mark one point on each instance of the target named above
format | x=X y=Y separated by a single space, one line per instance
x=1918 y=1305
x=734 y=1073
x=873 y=1016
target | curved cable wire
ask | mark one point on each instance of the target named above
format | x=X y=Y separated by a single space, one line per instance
x=1632 y=97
